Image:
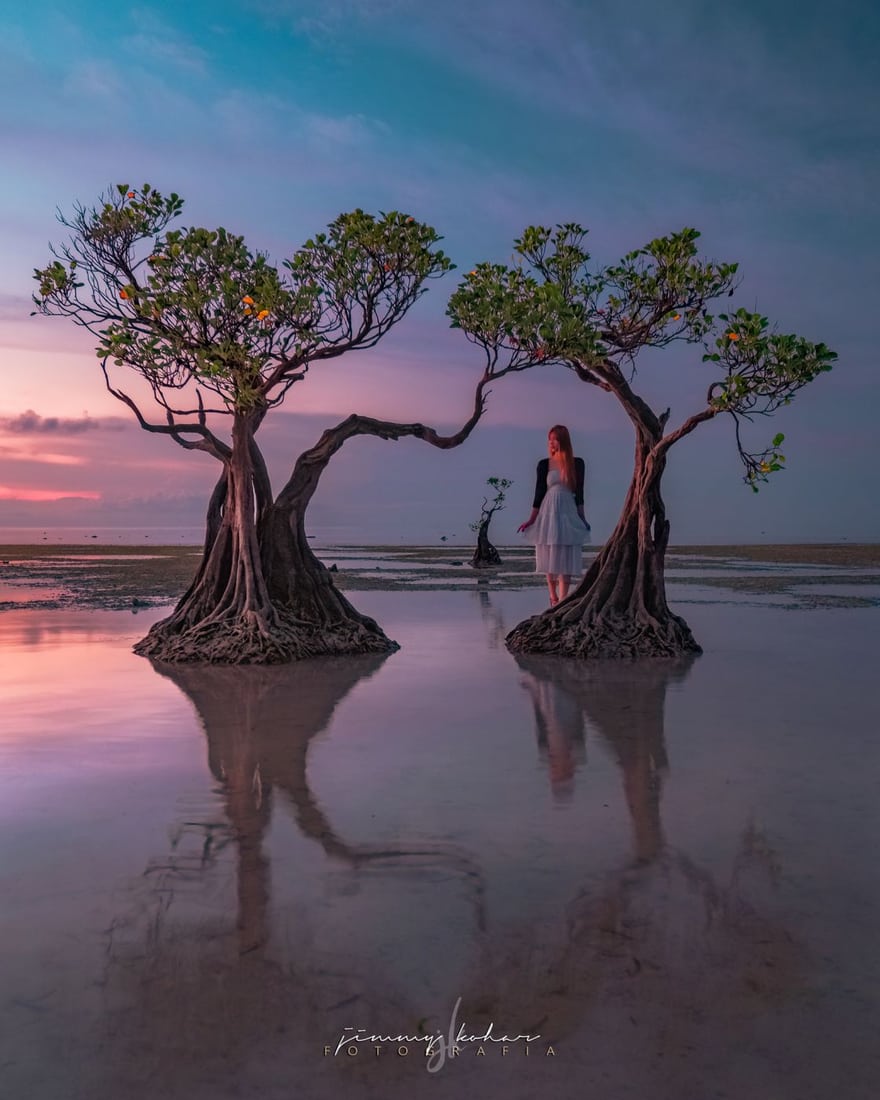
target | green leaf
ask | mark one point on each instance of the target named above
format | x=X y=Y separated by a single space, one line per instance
x=777 y=439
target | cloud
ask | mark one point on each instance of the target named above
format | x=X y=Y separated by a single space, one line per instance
x=157 y=41
x=42 y=496
x=15 y=307
x=31 y=423
x=96 y=80
x=45 y=457
x=729 y=94
x=324 y=22
x=343 y=130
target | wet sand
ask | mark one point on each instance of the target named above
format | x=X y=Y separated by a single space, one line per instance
x=127 y=577
x=663 y=870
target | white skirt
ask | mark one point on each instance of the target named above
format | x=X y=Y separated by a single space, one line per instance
x=563 y=561
x=558 y=534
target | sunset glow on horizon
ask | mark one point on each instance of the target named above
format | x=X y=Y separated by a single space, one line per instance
x=44 y=495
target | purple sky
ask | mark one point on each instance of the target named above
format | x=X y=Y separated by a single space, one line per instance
x=754 y=126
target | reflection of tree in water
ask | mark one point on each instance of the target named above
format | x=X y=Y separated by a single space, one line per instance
x=659 y=940
x=490 y=615
x=193 y=980
x=624 y=702
x=660 y=935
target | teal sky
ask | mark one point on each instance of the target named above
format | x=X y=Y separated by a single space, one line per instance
x=756 y=122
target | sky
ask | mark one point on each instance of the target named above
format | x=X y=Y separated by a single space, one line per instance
x=756 y=123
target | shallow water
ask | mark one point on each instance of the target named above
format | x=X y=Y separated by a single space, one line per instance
x=666 y=870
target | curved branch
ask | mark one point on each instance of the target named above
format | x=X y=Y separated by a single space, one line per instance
x=333 y=438
x=317 y=457
x=207 y=442
x=589 y=374
x=200 y=411
x=638 y=410
x=371 y=328
x=686 y=428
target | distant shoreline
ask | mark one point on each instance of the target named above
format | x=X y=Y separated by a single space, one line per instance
x=795 y=553
x=100 y=576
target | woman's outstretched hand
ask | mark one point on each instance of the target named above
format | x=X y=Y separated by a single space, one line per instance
x=525 y=526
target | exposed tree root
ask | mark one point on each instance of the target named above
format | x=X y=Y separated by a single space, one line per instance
x=250 y=639
x=611 y=634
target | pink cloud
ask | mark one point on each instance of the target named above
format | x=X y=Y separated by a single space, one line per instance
x=45 y=457
x=8 y=492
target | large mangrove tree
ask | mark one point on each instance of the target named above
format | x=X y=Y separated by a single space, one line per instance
x=553 y=305
x=218 y=336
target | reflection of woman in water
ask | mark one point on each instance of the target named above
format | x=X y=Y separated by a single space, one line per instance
x=559 y=725
x=557 y=526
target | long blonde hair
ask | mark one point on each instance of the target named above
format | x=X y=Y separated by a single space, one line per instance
x=569 y=474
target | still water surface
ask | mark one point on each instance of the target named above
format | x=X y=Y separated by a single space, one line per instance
x=665 y=870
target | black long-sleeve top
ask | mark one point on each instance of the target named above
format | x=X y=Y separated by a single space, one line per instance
x=541 y=482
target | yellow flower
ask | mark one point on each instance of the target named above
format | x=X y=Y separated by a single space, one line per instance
x=677 y=317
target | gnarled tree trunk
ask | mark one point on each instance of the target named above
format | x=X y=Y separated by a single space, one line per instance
x=260 y=595
x=485 y=555
x=619 y=609
x=228 y=615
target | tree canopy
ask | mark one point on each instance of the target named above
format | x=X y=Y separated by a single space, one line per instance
x=196 y=310
x=553 y=305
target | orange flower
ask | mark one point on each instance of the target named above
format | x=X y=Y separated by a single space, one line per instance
x=471 y=273
x=248 y=300
x=387 y=267
x=248 y=309
x=130 y=195
x=123 y=294
x=262 y=315
x=677 y=317
x=732 y=336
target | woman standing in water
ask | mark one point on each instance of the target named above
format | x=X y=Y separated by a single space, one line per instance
x=557 y=526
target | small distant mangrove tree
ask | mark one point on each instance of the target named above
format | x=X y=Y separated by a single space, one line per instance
x=486 y=556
